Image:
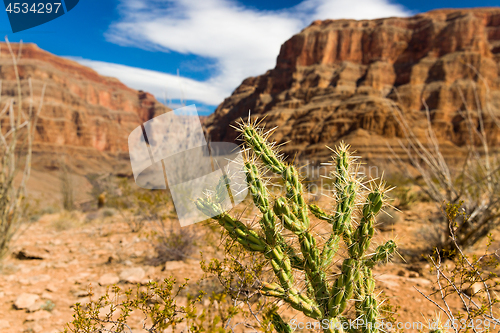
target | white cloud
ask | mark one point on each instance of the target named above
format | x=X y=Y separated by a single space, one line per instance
x=243 y=42
x=349 y=9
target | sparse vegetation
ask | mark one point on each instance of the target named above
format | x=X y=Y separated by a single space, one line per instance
x=68 y=201
x=136 y=206
x=285 y=217
x=172 y=245
x=473 y=179
x=66 y=220
x=18 y=125
x=472 y=278
x=158 y=302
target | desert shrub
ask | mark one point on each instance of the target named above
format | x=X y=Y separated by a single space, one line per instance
x=108 y=212
x=473 y=180
x=283 y=243
x=65 y=221
x=158 y=302
x=241 y=274
x=48 y=210
x=48 y=306
x=435 y=232
x=68 y=201
x=172 y=245
x=17 y=129
x=102 y=186
x=470 y=277
x=404 y=197
x=92 y=216
x=138 y=206
x=35 y=210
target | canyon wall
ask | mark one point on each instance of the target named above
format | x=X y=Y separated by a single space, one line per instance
x=345 y=79
x=85 y=116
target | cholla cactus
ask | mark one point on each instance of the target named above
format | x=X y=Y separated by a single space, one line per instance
x=323 y=300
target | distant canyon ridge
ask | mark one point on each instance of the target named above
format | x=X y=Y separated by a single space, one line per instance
x=85 y=116
x=342 y=79
x=335 y=80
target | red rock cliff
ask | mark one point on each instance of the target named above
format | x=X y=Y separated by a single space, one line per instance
x=337 y=79
x=83 y=112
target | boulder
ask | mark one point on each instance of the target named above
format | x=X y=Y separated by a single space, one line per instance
x=109 y=278
x=132 y=275
x=25 y=300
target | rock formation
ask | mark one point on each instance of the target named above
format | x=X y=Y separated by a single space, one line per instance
x=84 y=114
x=342 y=79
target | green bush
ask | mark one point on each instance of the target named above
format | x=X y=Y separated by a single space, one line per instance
x=158 y=302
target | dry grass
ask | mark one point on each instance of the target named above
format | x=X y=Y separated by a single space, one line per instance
x=17 y=129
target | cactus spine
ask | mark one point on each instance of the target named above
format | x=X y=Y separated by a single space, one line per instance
x=322 y=300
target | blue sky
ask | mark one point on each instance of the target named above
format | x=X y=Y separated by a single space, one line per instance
x=212 y=44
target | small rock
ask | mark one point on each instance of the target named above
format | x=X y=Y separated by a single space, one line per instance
x=31 y=253
x=174 y=265
x=390 y=281
x=109 y=278
x=146 y=281
x=36 y=328
x=403 y=273
x=35 y=279
x=24 y=282
x=417 y=268
x=4 y=324
x=112 y=259
x=420 y=281
x=35 y=306
x=413 y=275
x=39 y=315
x=473 y=289
x=25 y=300
x=132 y=275
x=57 y=242
x=81 y=278
x=51 y=287
x=47 y=295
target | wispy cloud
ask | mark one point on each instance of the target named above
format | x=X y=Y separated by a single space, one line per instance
x=161 y=85
x=243 y=42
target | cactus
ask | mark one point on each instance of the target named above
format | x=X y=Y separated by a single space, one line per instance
x=322 y=298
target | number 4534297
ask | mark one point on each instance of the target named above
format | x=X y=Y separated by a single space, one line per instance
x=36 y=8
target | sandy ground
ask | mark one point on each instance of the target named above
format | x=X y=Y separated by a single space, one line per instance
x=68 y=253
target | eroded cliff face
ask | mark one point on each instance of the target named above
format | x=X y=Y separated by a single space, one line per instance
x=341 y=80
x=84 y=114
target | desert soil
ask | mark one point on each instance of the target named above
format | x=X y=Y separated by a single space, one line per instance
x=57 y=258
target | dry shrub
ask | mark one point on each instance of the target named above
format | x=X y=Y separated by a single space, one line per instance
x=469 y=278
x=68 y=201
x=17 y=129
x=174 y=244
x=66 y=220
x=474 y=181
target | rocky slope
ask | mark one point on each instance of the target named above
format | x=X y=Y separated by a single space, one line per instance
x=84 y=115
x=340 y=79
